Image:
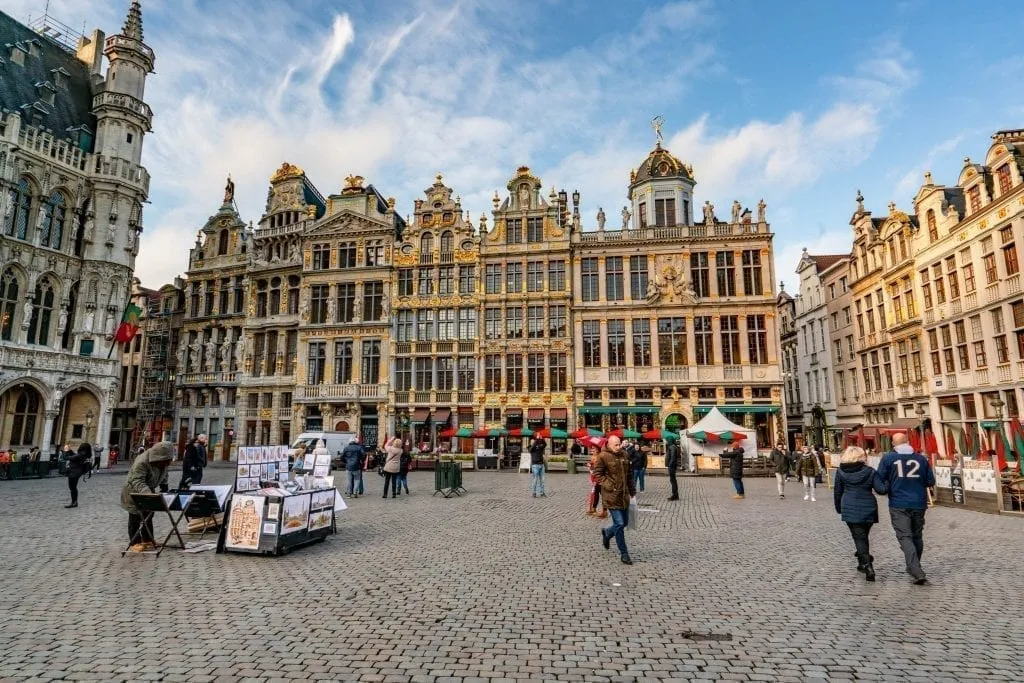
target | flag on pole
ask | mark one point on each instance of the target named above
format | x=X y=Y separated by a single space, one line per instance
x=129 y=324
x=1002 y=448
x=1018 y=442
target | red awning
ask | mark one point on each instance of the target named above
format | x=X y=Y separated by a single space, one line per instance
x=535 y=415
x=559 y=414
x=420 y=415
x=442 y=416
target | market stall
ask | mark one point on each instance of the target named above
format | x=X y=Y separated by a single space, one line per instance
x=713 y=434
x=274 y=510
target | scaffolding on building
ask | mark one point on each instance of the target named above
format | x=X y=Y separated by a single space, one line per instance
x=156 y=393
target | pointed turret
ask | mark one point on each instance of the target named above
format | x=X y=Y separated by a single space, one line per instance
x=132 y=27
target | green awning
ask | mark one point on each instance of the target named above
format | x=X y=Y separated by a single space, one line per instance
x=700 y=410
x=612 y=410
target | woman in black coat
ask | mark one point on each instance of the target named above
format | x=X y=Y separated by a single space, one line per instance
x=854 y=497
x=77 y=465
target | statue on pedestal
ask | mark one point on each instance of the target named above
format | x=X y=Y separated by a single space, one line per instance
x=600 y=218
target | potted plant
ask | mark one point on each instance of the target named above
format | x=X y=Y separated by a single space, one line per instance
x=558 y=463
x=466 y=460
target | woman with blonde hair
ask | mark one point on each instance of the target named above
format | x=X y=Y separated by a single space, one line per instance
x=392 y=466
x=854 y=496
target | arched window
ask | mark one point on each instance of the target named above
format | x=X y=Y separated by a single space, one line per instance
x=54 y=216
x=42 y=314
x=427 y=243
x=26 y=415
x=447 y=242
x=275 y=296
x=222 y=243
x=9 y=290
x=933 y=228
x=69 y=325
x=293 y=294
x=261 y=299
x=21 y=201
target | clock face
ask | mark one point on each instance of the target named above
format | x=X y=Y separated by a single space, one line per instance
x=663 y=168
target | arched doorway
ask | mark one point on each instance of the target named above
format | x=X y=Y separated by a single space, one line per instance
x=675 y=423
x=21 y=418
x=79 y=418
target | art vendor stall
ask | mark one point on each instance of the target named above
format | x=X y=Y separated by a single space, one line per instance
x=713 y=434
x=272 y=516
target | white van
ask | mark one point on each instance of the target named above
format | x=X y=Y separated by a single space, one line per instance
x=335 y=441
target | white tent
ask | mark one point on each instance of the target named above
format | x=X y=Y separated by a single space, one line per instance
x=715 y=422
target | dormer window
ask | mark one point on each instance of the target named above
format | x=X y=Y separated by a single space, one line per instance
x=47 y=93
x=60 y=76
x=33 y=47
x=974 y=198
x=1003 y=179
x=17 y=53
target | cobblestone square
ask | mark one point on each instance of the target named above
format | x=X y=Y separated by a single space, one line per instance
x=496 y=585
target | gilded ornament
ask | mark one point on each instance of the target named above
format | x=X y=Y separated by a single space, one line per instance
x=286 y=171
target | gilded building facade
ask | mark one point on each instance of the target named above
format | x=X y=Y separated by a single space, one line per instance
x=968 y=272
x=71 y=194
x=210 y=352
x=526 y=355
x=434 y=343
x=672 y=316
x=344 y=332
x=887 y=322
x=266 y=385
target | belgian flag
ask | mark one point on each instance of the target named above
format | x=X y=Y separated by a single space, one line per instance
x=129 y=324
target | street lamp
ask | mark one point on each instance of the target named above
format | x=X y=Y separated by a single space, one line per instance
x=997 y=403
x=920 y=412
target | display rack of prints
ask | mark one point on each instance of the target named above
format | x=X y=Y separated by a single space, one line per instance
x=260 y=464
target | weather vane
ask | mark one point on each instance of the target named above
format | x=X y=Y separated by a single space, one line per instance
x=656 y=123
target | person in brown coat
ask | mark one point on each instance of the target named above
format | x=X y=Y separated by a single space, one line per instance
x=613 y=473
x=392 y=466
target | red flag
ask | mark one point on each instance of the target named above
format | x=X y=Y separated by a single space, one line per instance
x=129 y=324
x=915 y=440
x=950 y=444
x=983 y=447
x=1000 y=450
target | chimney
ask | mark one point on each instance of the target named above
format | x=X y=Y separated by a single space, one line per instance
x=90 y=50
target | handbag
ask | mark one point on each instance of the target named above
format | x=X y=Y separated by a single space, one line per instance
x=634 y=512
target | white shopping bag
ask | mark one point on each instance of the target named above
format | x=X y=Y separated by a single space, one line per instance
x=634 y=513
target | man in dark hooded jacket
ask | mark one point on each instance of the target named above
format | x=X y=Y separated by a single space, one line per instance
x=354 y=455
x=148 y=474
x=672 y=463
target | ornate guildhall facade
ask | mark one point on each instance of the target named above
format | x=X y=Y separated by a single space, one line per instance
x=673 y=316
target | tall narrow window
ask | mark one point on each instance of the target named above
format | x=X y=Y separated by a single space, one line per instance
x=514 y=230
x=370 y=362
x=974 y=199
x=42 y=313
x=405 y=282
x=446 y=280
x=616 y=343
x=730 y=339
x=375 y=253
x=492 y=373
x=492 y=323
x=1003 y=179
x=535 y=276
x=347 y=255
x=1010 y=260
x=558 y=372
x=21 y=207
x=447 y=242
x=725 y=269
x=25 y=417
x=9 y=288
x=514 y=372
x=757 y=334
x=273 y=301
x=343 y=361
x=445 y=373
x=424 y=374
x=535 y=372
x=446 y=324
x=316 y=361
x=403 y=374
x=933 y=226
x=591 y=343
x=589 y=288
x=613 y=279
x=318 y=304
x=493 y=279
x=425 y=325
x=638 y=274
x=535 y=322
x=467 y=324
x=467 y=279
x=665 y=212
x=672 y=341
x=534 y=229
x=403 y=326
x=514 y=278
x=467 y=373
x=321 y=256
x=699 y=272
x=373 y=300
x=703 y=338
x=641 y=342
x=54 y=216
x=514 y=323
x=753 y=284
x=426 y=281
x=346 y=302
x=556 y=276
x=557 y=325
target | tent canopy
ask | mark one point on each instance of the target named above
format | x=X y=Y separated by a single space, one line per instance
x=717 y=423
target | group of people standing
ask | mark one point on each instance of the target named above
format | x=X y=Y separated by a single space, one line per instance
x=392 y=463
x=808 y=466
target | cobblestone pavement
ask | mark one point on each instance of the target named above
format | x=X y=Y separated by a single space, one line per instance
x=496 y=585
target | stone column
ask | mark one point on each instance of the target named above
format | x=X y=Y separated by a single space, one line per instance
x=103 y=428
x=44 y=449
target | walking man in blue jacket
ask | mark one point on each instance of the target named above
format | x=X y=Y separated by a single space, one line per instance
x=907 y=476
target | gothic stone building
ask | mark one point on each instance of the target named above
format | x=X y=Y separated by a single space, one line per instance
x=71 y=204
x=673 y=316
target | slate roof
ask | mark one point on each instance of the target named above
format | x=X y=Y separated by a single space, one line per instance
x=72 y=107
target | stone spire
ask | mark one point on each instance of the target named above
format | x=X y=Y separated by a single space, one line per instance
x=132 y=27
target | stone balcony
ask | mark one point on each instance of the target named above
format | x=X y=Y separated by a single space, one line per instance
x=42 y=358
x=207 y=378
x=678 y=373
x=340 y=392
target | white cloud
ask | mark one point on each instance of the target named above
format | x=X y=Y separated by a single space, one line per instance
x=909 y=183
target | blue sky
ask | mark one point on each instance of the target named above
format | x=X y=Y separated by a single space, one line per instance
x=798 y=102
